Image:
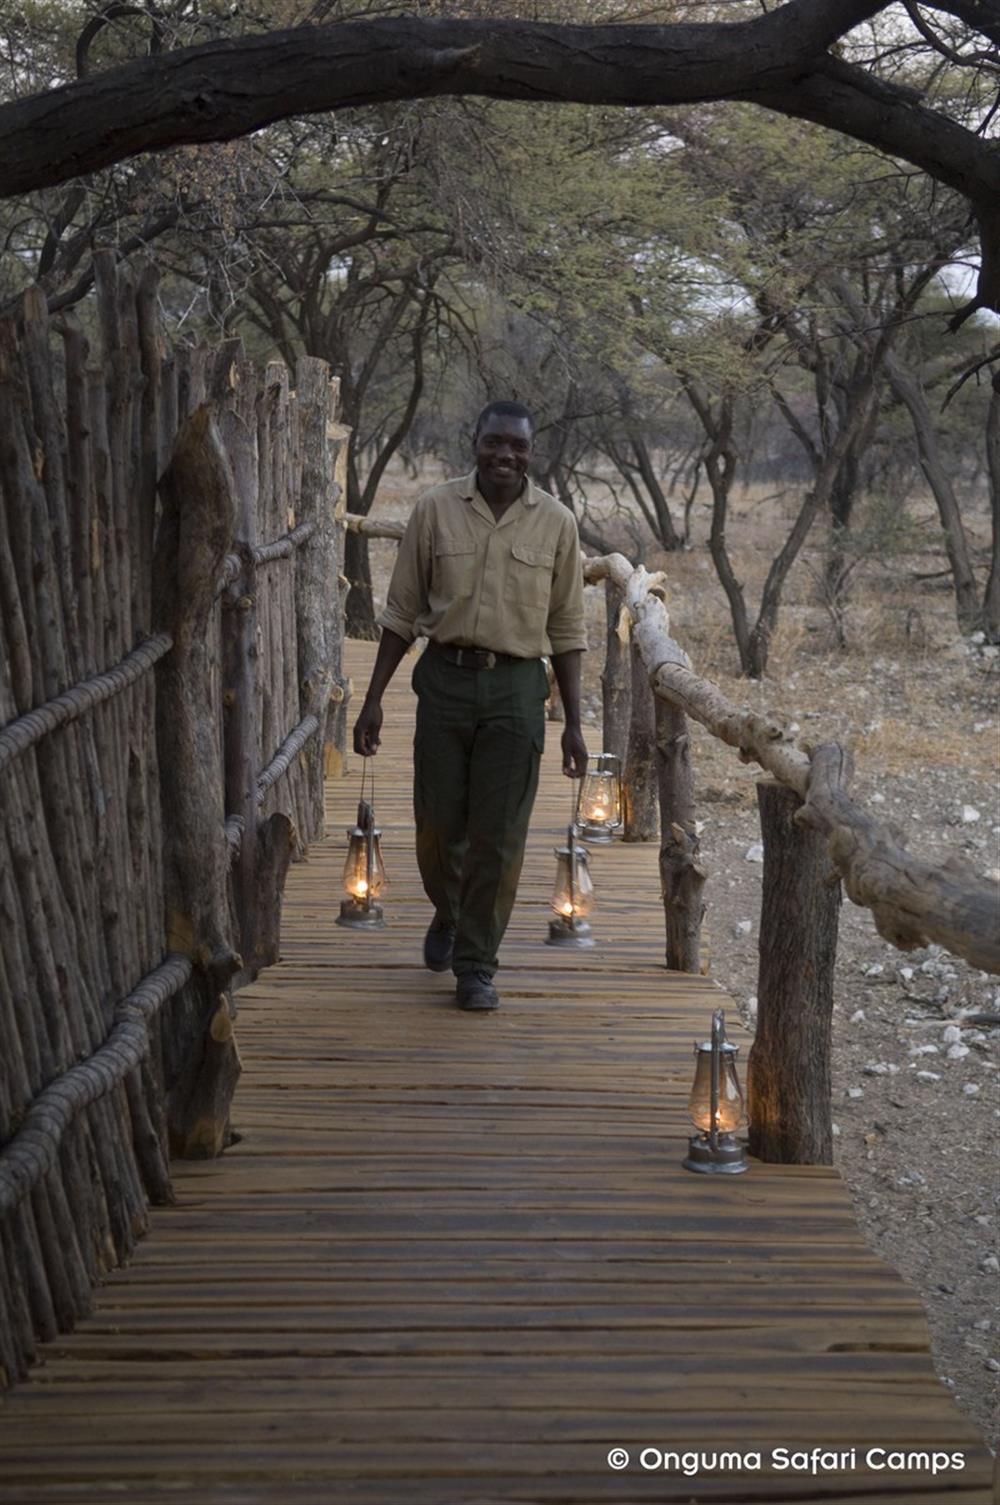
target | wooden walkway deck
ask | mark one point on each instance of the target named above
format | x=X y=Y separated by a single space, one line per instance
x=455 y=1259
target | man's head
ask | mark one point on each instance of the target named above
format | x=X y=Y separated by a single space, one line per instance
x=503 y=441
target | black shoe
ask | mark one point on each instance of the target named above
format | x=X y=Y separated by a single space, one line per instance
x=439 y=942
x=475 y=992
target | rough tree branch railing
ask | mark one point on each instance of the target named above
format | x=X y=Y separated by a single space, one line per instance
x=913 y=902
x=279 y=765
x=279 y=548
x=372 y=528
x=17 y=736
x=32 y=1152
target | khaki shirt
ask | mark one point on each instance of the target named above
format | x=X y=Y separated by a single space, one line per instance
x=513 y=586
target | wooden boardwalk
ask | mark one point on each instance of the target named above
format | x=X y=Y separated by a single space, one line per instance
x=455 y=1260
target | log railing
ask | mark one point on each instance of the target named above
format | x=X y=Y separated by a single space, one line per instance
x=815 y=838
x=172 y=514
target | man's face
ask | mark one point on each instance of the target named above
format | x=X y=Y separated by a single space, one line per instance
x=503 y=450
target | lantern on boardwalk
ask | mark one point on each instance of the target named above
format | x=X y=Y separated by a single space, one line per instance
x=572 y=895
x=716 y=1106
x=364 y=873
x=600 y=809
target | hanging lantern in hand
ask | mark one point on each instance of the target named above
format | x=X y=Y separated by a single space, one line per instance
x=572 y=896
x=364 y=874
x=715 y=1106
x=600 y=814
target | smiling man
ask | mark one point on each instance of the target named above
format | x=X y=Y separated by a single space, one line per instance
x=489 y=572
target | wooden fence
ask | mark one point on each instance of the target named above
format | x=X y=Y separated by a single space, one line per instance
x=170 y=695
x=814 y=837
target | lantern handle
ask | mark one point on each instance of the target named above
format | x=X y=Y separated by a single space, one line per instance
x=367 y=774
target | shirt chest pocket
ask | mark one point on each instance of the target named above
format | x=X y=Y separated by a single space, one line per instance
x=530 y=574
x=454 y=568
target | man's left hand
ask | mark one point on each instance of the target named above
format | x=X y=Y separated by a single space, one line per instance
x=574 y=751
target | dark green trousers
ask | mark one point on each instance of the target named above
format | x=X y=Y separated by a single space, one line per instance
x=476 y=755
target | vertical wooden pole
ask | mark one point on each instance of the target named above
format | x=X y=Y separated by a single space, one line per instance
x=317 y=571
x=335 y=747
x=194 y=536
x=639 y=793
x=681 y=874
x=789 y=1067
x=236 y=383
x=616 y=679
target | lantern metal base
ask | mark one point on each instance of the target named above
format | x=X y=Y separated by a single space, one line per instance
x=570 y=933
x=357 y=915
x=727 y=1158
x=599 y=836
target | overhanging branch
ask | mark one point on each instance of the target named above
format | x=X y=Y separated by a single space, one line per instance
x=228 y=88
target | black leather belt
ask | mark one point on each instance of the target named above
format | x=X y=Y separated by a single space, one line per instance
x=472 y=658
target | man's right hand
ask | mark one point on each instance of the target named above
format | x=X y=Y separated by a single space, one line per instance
x=367 y=728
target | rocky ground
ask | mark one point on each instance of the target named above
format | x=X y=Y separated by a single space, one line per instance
x=916 y=1037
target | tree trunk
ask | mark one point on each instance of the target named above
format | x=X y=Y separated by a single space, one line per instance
x=616 y=678
x=681 y=874
x=720 y=467
x=991 y=599
x=855 y=418
x=359 y=608
x=639 y=794
x=667 y=535
x=789 y=1067
x=843 y=495
x=907 y=390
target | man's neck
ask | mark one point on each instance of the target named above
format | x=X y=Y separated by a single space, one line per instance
x=499 y=499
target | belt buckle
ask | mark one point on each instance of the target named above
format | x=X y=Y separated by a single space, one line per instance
x=491 y=659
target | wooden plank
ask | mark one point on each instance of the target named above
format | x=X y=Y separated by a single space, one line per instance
x=455 y=1259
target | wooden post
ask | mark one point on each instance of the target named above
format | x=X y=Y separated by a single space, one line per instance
x=194 y=536
x=639 y=776
x=335 y=741
x=682 y=876
x=318 y=612
x=616 y=680
x=789 y=1066
x=236 y=383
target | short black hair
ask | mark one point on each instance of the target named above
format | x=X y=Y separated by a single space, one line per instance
x=505 y=410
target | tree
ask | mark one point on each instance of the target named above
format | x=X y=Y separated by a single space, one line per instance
x=785 y=60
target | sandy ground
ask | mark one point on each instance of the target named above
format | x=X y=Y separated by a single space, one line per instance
x=916 y=1102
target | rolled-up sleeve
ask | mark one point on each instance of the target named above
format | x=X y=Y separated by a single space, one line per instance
x=567 y=628
x=407 y=598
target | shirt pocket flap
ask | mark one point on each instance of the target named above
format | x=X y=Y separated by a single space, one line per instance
x=448 y=546
x=532 y=554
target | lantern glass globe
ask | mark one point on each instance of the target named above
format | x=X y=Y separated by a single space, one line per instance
x=730 y=1114
x=573 y=890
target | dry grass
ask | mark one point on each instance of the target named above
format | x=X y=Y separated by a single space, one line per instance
x=898 y=746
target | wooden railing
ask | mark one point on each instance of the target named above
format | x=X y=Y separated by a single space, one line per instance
x=170 y=672
x=814 y=836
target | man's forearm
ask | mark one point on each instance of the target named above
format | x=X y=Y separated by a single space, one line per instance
x=391 y=651
x=566 y=667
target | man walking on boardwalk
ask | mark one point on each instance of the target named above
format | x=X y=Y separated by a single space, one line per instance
x=489 y=572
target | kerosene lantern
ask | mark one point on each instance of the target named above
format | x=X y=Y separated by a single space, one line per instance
x=716 y=1106
x=364 y=872
x=572 y=895
x=600 y=812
